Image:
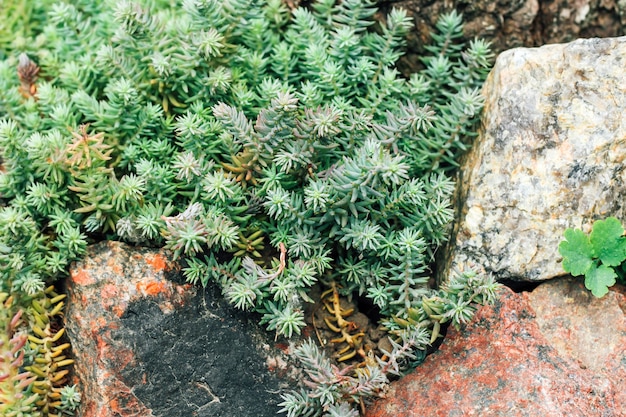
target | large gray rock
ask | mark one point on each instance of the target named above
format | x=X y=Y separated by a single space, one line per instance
x=550 y=156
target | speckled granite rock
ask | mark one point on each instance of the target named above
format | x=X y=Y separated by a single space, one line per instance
x=590 y=330
x=550 y=156
x=147 y=345
x=551 y=353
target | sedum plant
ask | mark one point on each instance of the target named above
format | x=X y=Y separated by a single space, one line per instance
x=330 y=390
x=20 y=23
x=15 y=384
x=270 y=149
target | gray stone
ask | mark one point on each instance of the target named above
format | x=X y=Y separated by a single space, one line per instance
x=550 y=156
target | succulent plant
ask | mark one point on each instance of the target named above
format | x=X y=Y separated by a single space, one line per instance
x=271 y=149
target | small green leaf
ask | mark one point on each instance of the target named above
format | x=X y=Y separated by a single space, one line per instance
x=598 y=280
x=607 y=241
x=576 y=251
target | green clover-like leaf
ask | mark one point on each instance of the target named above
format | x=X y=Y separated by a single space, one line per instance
x=598 y=280
x=577 y=252
x=607 y=241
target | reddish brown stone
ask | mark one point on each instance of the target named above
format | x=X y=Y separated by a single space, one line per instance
x=148 y=345
x=506 y=363
x=100 y=290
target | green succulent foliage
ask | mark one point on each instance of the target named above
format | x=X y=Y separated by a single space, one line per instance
x=20 y=22
x=270 y=149
x=333 y=391
x=336 y=390
x=598 y=256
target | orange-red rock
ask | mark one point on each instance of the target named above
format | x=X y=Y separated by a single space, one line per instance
x=148 y=345
x=511 y=361
x=100 y=290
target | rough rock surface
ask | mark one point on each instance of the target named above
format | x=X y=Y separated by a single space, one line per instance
x=550 y=156
x=554 y=352
x=146 y=345
x=513 y=23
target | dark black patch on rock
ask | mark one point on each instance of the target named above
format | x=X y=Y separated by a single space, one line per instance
x=203 y=360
